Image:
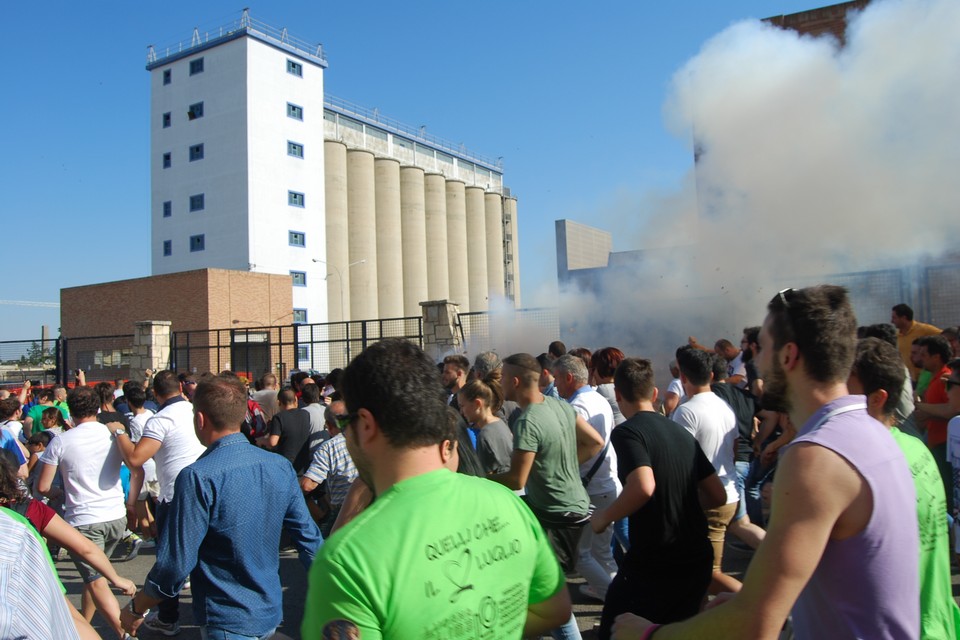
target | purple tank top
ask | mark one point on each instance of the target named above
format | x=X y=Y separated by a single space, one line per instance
x=866 y=586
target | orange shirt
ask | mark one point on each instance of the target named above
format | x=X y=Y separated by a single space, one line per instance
x=905 y=340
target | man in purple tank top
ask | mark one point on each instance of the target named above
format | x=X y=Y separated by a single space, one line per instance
x=841 y=547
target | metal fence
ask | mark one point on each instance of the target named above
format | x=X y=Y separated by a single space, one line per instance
x=34 y=360
x=253 y=351
x=509 y=331
x=102 y=358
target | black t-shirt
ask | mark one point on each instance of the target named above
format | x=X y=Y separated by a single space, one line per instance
x=293 y=427
x=105 y=417
x=671 y=526
x=744 y=408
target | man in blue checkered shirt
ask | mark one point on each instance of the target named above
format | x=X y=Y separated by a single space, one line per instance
x=331 y=463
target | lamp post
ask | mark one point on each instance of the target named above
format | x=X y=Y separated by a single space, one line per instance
x=339 y=278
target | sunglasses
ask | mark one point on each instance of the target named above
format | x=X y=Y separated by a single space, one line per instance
x=344 y=420
x=783 y=296
x=950 y=383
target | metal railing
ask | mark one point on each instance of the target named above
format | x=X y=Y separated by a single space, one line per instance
x=102 y=358
x=509 y=331
x=253 y=351
x=34 y=360
x=244 y=24
x=416 y=134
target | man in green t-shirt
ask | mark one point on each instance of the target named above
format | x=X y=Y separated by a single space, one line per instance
x=438 y=554
x=550 y=442
x=878 y=374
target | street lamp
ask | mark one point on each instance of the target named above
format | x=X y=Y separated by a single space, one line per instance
x=339 y=277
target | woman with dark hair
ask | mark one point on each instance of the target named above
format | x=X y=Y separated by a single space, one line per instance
x=603 y=364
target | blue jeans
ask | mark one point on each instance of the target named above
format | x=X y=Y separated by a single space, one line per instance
x=569 y=631
x=210 y=633
x=753 y=482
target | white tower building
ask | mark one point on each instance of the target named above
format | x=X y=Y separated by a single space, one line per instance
x=254 y=168
x=237 y=166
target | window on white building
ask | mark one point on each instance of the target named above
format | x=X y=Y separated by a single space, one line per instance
x=196 y=66
x=196 y=152
x=299 y=278
x=197 y=202
x=168 y=247
x=294 y=111
x=195 y=111
x=300 y=316
x=295 y=68
x=297 y=238
x=294 y=149
x=295 y=199
x=197 y=243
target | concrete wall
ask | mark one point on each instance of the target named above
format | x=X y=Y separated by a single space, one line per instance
x=435 y=200
x=477 y=249
x=221 y=176
x=389 y=241
x=273 y=172
x=414 y=238
x=361 y=207
x=337 y=272
x=457 y=244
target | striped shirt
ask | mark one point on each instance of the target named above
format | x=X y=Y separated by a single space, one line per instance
x=31 y=597
x=332 y=462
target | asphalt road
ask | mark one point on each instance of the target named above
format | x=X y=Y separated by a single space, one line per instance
x=294 y=579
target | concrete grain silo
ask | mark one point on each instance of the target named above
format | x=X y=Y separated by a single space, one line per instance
x=337 y=240
x=361 y=207
x=413 y=224
x=457 y=244
x=477 y=248
x=493 y=209
x=435 y=200
x=389 y=238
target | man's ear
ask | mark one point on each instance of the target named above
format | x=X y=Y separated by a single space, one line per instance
x=790 y=356
x=876 y=400
x=656 y=394
x=366 y=426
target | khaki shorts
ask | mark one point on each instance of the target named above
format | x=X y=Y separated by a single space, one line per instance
x=105 y=535
x=717 y=522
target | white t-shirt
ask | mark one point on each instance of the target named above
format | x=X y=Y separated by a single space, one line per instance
x=137 y=423
x=14 y=428
x=89 y=463
x=676 y=386
x=713 y=424
x=595 y=409
x=173 y=427
x=737 y=367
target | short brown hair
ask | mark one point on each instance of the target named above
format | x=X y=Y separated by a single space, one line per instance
x=605 y=361
x=223 y=400
x=634 y=379
x=821 y=322
x=459 y=361
x=528 y=368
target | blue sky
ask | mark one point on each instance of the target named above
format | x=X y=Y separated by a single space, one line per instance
x=570 y=94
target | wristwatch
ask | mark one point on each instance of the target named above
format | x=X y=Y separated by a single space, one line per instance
x=120 y=432
x=133 y=608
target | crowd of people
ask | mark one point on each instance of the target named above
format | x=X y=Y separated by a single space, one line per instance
x=454 y=499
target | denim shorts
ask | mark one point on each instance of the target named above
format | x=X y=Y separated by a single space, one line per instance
x=211 y=633
x=105 y=535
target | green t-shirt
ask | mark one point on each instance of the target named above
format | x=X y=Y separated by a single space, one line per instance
x=923 y=381
x=439 y=555
x=36 y=413
x=549 y=429
x=939 y=614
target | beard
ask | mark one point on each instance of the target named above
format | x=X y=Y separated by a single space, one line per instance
x=775 y=389
x=360 y=461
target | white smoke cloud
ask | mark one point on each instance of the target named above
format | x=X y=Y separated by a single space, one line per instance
x=815 y=159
